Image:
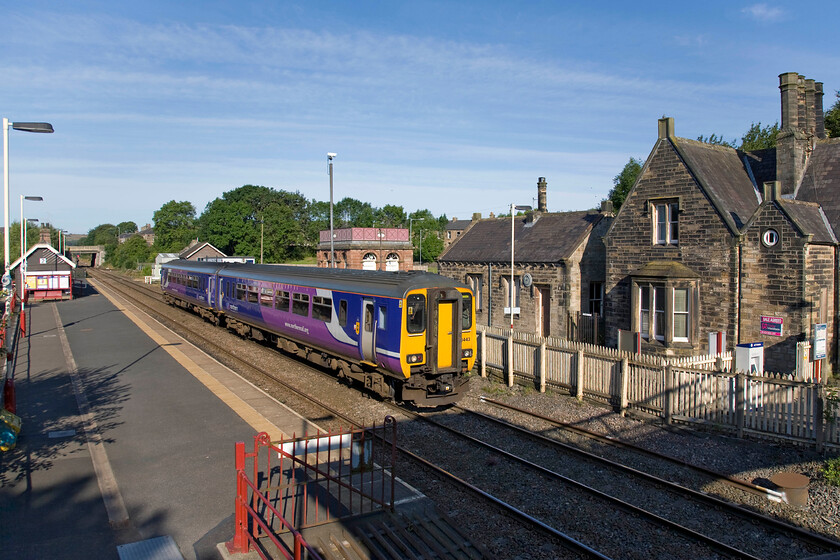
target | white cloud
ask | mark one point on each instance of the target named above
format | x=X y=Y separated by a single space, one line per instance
x=763 y=12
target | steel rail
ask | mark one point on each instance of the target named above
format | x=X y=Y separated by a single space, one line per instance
x=782 y=526
x=568 y=541
x=699 y=537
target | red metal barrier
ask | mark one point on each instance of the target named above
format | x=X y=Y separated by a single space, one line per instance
x=318 y=479
x=9 y=402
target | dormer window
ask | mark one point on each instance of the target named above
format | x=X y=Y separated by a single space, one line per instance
x=666 y=226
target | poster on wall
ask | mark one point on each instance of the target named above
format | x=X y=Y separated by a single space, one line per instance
x=771 y=326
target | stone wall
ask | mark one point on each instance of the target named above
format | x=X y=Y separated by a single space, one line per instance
x=706 y=246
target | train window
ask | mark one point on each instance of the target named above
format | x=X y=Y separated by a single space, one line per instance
x=322 y=308
x=382 y=318
x=416 y=313
x=300 y=304
x=342 y=313
x=240 y=292
x=253 y=296
x=282 y=301
x=368 y=318
x=466 y=312
x=267 y=297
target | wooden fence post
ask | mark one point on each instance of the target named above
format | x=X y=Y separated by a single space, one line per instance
x=542 y=366
x=483 y=353
x=819 y=417
x=740 y=402
x=579 y=374
x=624 y=398
x=510 y=359
x=668 y=412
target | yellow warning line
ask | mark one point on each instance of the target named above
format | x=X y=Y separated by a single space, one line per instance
x=231 y=399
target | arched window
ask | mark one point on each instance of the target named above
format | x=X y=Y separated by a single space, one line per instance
x=369 y=262
x=392 y=262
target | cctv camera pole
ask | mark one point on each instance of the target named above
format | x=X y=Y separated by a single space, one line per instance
x=332 y=236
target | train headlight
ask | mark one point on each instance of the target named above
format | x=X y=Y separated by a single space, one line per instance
x=414 y=358
x=467 y=353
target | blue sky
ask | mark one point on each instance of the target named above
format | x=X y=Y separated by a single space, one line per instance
x=457 y=107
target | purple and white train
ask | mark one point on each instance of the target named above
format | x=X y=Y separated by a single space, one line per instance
x=408 y=336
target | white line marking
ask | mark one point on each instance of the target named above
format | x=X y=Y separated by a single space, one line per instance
x=114 y=504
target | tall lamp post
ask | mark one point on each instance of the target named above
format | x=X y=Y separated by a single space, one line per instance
x=330 y=157
x=26 y=127
x=512 y=224
x=23 y=224
x=23 y=249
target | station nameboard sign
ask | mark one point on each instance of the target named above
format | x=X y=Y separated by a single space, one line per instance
x=771 y=326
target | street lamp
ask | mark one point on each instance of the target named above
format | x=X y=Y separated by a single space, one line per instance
x=330 y=156
x=25 y=127
x=512 y=223
x=23 y=224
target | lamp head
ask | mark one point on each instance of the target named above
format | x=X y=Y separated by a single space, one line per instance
x=33 y=127
x=331 y=155
x=33 y=198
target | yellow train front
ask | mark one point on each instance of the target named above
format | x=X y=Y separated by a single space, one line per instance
x=439 y=350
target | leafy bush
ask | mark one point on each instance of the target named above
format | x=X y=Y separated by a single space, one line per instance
x=831 y=471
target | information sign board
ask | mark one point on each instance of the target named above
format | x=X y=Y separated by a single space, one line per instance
x=818 y=345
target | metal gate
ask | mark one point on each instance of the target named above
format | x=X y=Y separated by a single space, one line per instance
x=303 y=482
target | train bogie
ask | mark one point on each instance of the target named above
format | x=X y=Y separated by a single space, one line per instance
x=407 y=336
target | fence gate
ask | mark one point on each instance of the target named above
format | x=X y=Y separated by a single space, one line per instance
x=286 y=486
x=584 y=327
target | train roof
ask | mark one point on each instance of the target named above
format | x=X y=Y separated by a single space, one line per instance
x=374 y=282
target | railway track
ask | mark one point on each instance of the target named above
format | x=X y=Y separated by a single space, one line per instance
x=125 y=287
x=692 y=523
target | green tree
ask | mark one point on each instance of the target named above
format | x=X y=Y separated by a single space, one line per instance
x=127 y=227
x=103 y=234
x=832 y=118
x=175 y=226
x=757 y=138
x=354 y=213
x=391 y=216
x=132 y=252
x=717 y=140
x=235 y=222
x=624 y=181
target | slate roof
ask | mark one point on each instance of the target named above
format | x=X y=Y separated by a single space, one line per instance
x=723 y=176
x=821 y=182
x=196 y=247
x=458 y=224
x=549 y=239
x=809 y=218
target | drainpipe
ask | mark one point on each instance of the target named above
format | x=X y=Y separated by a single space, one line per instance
x=489 y=294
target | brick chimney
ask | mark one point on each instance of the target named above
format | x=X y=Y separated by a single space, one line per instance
x=802 y=123
x=44 y=236
x=542 y=193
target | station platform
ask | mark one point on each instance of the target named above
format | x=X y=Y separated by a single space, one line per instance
x=127 y=446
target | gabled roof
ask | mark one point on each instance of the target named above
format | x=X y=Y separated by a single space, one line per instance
x=722 y=174
x=46 y=247
x=550 y=238
x=457 y=224
x=821 y=181
x=196 y=247
x=809 y=218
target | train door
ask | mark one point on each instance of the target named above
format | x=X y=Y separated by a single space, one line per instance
x=446 y=315
x=368 y=331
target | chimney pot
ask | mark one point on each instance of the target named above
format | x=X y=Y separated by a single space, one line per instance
x=542 y=194
x=666 y=127
x=772 y=190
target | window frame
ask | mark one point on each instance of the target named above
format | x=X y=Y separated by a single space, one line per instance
x=476 y=284
x=654 y=302
x=665 y=221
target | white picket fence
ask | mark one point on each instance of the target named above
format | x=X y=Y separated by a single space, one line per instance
x=701 y=389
